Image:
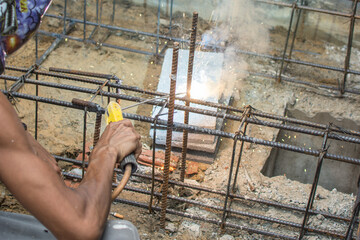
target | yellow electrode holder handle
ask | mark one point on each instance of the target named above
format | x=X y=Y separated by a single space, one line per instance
x=114 y=114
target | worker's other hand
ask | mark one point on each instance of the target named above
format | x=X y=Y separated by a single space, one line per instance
x=120 y=137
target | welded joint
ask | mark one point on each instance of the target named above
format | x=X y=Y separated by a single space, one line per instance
x=91 y=106
x=246 y=114
x=21 y=80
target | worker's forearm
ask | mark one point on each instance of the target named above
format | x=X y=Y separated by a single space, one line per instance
x=98 y=179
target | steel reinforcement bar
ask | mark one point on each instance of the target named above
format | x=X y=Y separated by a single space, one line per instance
x=155 y=93
x=222 y=193
x=220 y=209
x=193 y=129
x=190 y=109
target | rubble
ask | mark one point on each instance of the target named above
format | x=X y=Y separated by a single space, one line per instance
x=191 y=228
x=226 y=237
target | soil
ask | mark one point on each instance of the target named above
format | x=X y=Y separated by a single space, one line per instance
x=60 y=130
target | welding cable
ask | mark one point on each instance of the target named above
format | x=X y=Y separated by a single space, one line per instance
x=123 y=182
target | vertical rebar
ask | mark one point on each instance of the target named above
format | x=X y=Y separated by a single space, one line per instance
x=171 y=15
x=188 y=95
x=65 y=14
x=246 y=115
x=97 y=128
x=84 y=143
x=299 y=11
x=355 y=214
x=100 y=14
x=84 y=33
x=97 y=12
x=167 y=8
x=223 y=220
x=169 y=134
x=153 y=156
x=315 y=182
x=145 y=11
x=236 y=138
x=349 y=46
x=36 y=88
x=113 y=13
x=287 y=41
x=109 y=89
x=158 y=29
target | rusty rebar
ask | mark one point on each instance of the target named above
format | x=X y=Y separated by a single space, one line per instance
x=243 y=132
x=222 y=193
x=205 y=112
x=349 y=46
x=219 y=208
x=169 y=134
x=191 y=128
x=197 y=101
x=97 y=128
x=188 y=93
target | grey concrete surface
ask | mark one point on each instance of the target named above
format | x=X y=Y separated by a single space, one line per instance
x=301 y=167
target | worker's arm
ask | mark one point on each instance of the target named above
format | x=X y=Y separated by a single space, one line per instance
x=68 y=213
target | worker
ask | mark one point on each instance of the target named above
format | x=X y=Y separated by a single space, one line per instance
x=32 y=175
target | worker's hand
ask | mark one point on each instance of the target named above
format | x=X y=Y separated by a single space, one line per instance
x=119 y=137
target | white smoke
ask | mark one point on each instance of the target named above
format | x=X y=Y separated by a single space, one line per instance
x=239 y=25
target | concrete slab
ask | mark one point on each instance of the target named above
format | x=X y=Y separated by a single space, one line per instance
x=207 y=73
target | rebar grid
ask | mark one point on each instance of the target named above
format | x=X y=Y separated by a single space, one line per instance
x=300 y=8
x=247 y=117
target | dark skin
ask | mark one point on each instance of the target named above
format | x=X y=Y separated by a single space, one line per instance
x=34 y=178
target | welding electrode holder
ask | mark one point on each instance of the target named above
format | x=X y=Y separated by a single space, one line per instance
x=130 y=159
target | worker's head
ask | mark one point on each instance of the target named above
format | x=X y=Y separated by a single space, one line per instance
x=18 y=21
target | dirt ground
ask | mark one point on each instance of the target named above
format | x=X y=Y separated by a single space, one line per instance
x=60 y=130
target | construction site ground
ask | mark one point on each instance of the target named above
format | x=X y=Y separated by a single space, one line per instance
x=60 y=130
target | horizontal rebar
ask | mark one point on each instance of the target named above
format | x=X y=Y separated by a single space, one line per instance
x=83 y=73
x=319 y=10
x=116 y=28
x=219 y=48
x=222 y=193
x=209 y=220
x=190 y=109
x=179 y=213
x=191 y=128
x=220 y=209
x=201 y=102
